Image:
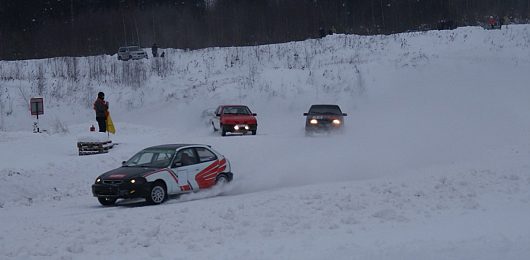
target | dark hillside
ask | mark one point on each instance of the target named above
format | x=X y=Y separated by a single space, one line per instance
x=49 y=28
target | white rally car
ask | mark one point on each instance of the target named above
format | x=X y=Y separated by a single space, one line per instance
x=160 y=171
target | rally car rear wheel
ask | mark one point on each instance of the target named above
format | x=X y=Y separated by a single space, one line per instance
x=158 y=193
x=107 y=201
x=221 y=180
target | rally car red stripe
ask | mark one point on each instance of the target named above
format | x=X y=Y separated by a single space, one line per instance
x=204 y=177
x=211 y=168
x=204 y=173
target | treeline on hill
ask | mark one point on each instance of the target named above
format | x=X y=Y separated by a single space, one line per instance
x=49 y=28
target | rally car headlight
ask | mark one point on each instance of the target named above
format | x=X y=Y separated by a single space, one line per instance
x=236 y=127
x=98 y=180
x=313 y=121
x=336 y=122
x=137 y=181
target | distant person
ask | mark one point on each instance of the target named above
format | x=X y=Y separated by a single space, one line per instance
x=492 y=22
x=332 y=30
x=154 y=50
x=101 y=107
x=321 y=32
x=450 y=24
x=506 y=20
x=163 y=54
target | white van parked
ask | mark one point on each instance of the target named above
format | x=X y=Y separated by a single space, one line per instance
x=131 y=52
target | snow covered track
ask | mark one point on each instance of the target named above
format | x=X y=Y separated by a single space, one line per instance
x=435 y=216
x=433 y=163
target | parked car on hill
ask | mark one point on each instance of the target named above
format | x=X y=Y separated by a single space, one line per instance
x=322 y=118
x=160 y=171
x=131 y=52
x=234 y=119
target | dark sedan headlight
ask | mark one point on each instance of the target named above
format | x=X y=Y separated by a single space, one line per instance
x=98 y=180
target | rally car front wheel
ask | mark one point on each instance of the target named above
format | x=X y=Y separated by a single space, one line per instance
x=107 y=201
x=157 y=194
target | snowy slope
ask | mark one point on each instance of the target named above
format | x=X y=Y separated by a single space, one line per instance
x=432 y=165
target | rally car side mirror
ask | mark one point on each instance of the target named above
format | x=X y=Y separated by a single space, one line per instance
x=344 y=114
x=305 y=114
x=254 y=114
x=123 y=163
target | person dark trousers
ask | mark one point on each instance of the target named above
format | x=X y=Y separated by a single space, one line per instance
x=154 y=50
x=102 y=124
x=101 y=107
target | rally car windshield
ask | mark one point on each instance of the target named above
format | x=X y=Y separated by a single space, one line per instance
x=236 y=111
x=151 y=158
x=325 y=110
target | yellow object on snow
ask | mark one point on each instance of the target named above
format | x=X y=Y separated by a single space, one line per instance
x=110 y=125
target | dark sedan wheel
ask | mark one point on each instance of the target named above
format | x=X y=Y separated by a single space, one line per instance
x=107 y=201
x=158 y=193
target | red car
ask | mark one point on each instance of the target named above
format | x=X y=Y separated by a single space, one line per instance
x=234 y=119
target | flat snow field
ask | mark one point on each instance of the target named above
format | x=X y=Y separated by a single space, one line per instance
x=433 y=162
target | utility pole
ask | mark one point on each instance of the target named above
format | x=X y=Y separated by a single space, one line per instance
x=124 y=30
x=137 y=35
x=154 y=31
x=382 y=14
x=72 y=27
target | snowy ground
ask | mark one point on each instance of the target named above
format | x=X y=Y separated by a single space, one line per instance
x=433 y=163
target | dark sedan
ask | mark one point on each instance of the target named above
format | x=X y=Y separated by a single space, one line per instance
x=324 y=118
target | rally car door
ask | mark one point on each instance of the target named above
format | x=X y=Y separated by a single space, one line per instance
x=207 y=168
x=185 y=166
